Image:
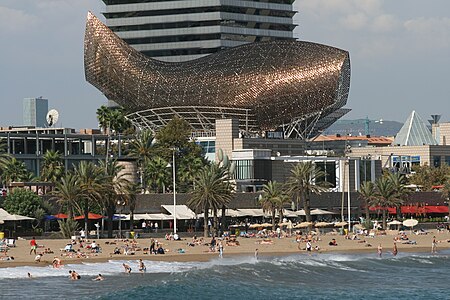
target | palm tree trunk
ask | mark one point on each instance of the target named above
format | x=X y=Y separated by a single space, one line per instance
x=222 y=228
x=110 y=212
x=131 y=220
x=205 y=223
x=366 y=203
x=86 y=217
x=384 y=218
x=216 y=222
x=273 y=218
x=307 y=208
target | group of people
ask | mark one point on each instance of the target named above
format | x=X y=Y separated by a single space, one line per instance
x=149 y=227
x=141 y=267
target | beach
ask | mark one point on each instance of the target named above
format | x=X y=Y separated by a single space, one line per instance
x=181 y=251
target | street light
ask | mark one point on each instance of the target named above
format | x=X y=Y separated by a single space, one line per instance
x=120 y=204
x=174 y=192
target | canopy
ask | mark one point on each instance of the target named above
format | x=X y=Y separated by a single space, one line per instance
x=5 y=216
x=91 y=216
x=253 y=212
x=318 y=211
x=182 y=212
x=300 y=212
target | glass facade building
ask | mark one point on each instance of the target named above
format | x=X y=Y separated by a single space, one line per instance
x=35 y=111
x=188 y=29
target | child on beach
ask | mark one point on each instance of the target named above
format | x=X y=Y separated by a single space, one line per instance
x=33 y=245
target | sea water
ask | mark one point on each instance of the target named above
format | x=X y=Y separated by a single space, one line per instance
x=319 y=276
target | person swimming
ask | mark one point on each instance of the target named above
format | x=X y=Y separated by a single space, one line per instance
x=99 y=278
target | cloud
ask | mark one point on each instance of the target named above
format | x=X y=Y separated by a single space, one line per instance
x=355 y=21
x=385 y=23
x=13 y=21
x=430 y=29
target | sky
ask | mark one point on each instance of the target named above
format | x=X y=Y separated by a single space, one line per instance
x=399 y=52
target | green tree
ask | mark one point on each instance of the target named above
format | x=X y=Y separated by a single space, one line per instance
x=367 y=194
x=189 y=166
x=385 y=196
x=52 y=166
x=426 y=177
x=213 y=190
x=115 y=186
x=271 y=199
x=157 y=174
x=15 y=170
x=141 y=149
x=399 y=182
x=23 y=202
x=301 y=184
x=67 y=193
x=92 y=188
x=104 y=118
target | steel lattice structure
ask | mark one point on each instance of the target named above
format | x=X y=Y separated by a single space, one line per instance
x=299 y=86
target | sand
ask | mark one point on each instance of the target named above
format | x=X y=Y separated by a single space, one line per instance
x=282 y=246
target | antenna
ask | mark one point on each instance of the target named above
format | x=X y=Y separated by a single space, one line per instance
x=52 y=117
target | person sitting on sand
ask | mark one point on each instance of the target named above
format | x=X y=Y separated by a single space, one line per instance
x=127 y=268
x=7 y=258
x=333 y=242
x=38 y=258
x=99 y=278
x=160 y=250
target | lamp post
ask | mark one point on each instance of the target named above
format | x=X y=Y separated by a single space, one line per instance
x=174 y=193
x=120 y=204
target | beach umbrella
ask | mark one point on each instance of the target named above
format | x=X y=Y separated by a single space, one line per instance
x=303 y=225
x=91 y=216
x=410 y=223
x=283 y=224
x=266 y=225
x=61 y=216
x=322 y=224
x=340 y=224
x=255 y=226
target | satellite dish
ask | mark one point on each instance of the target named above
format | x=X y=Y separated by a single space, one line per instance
x=52 y=117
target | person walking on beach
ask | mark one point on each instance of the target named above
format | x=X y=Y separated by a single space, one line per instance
x=434 y=245
x=395 y=250
x=380 y=250
x=33 y=245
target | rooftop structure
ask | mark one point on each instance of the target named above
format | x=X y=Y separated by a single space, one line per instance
x=184 y=30
x=414 y=132
x=299 y=88
x=34 y=112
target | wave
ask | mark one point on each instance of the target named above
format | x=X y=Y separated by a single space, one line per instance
x=244 y=264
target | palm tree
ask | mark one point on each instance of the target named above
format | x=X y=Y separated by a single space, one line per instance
x=301 y=184
x=104 y=118
x=446 y=193
x=271 y=198
x=14 y=170
x=141 y=149
x=91 y=182
x=385 y=196
x=157 y=174
x=52 y=166
x=115 y=186
x=367 y=193
x=281 y=203
x=67 y=193
x=399 y=182
x=213 y=190
x=189 y=166
x=132 y=190
x=4 y=156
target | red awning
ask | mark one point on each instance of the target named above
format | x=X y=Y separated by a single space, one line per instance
x=391 y=210
x=440 y=209
x=91 y=216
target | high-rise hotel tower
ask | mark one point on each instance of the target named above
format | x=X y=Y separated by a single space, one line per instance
x=181 y=30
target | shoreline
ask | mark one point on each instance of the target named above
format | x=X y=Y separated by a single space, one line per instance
x=280 y=247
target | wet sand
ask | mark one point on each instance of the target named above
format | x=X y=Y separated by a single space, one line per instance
x=282 y=246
